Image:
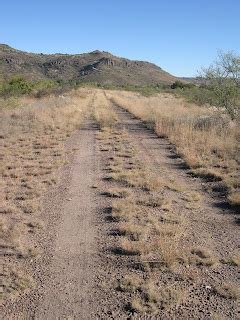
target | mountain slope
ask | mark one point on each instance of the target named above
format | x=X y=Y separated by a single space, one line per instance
x=96 y=66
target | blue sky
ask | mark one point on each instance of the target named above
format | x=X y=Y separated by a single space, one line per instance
x=179 y=36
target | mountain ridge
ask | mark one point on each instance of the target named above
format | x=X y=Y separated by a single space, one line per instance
x=96 y=66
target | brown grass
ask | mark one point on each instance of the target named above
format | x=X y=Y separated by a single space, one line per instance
x=206 y=139
x=13 y=283
x=103 y=112
x=118 y=192
x=123 y=209
x=132 y=230
x=31 y=152
x=202 y=256
x=148 y=298
x=227 y=291
x=234 y=260
x=155 y=201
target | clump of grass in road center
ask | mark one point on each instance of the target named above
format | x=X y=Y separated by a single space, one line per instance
x=234 y=260
x=132 y=230
x=118 y=192
x=234 y=198
x=148 y=298
x=201 y=256
x=131 y=283
x=129 y=247
x=227 y=291
x=192 y=196
x=123 y=209
x=156 y=201
x=103 y=112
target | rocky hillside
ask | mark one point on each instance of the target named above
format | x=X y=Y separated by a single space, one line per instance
x=96 y=66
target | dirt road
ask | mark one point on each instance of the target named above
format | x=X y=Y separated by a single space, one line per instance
x=77 y=275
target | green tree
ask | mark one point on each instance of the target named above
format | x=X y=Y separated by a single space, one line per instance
x=223 y=78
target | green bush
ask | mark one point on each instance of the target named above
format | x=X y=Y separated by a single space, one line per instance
x=17 y=86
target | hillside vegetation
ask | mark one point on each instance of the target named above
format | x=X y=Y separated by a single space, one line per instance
x=97 y=66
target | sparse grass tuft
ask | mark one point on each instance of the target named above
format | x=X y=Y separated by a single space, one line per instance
x=203 y=257
x=234 y=199
x=129 y=247
x=227 y=291
x=123 y=209
x=13 y=283
x=133 y=231
x=118 y=192
x=234 y=261
x=130 y=283
x=155 y=201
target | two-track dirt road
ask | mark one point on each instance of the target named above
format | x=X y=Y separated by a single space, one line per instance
x=77 y=274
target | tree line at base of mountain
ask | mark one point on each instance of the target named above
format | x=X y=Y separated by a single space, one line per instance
x=218 y=86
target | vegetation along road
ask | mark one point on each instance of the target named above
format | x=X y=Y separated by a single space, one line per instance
x=115 y=206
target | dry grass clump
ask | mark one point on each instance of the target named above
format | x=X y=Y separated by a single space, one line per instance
x=12 y=283
x=192 y=196
x=130 y=247
x=152 y=182
x=204 y=257
x=133 y=231
x=133 y=178
x=233 y=261
x=118 y=192
x=131 y=283
x=123 y=209
x=227 y=291
x=156 y=201
x=176 y=187
x=138 y=178
x=205 y=138
x=161 y=299
x=234 y=199
x=148 y=298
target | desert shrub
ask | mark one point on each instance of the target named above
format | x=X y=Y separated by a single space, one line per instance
x=18 y=86
x=181 y=85
x=15 y=86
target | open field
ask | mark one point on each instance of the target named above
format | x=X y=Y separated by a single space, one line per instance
x=118 y=206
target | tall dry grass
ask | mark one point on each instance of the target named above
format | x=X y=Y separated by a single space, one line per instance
x=204 y=137
x=32 y=141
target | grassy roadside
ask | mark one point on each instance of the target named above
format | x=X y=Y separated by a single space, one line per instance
x=207 y=140
x=31 y=152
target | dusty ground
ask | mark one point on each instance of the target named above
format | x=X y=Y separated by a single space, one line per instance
x=79 y=272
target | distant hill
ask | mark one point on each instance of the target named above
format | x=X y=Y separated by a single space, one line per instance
x=194 y=80
x=96 y=66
